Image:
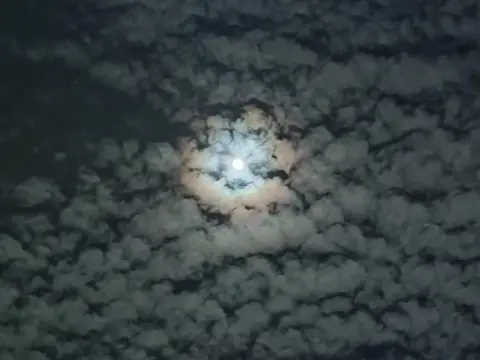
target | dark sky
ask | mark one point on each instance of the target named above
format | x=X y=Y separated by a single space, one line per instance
x=352 y=231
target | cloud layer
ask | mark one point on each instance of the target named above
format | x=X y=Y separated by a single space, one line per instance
x=352 y=232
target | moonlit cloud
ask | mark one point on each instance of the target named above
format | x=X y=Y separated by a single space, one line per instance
x=208 y=174
x=128 y=232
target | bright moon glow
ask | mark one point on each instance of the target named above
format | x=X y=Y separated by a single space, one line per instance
x=237 y=164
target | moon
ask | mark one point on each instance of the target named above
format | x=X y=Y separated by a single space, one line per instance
x=238 y=164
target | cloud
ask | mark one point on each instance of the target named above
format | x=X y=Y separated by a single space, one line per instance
x=352 y=231
x=253 y=136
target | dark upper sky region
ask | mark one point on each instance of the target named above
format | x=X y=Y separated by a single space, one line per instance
x=351 y=231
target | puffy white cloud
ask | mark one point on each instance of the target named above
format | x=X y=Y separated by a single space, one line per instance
x=36 y=191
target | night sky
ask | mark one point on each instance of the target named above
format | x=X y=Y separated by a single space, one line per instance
x=240 y=179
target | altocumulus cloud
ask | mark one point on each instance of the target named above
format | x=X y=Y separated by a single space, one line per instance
x=254 y=139
x=350 y=232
